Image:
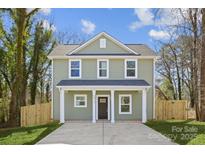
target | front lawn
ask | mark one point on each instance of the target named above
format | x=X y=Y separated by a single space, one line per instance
x=182 y=132
x=26 y=135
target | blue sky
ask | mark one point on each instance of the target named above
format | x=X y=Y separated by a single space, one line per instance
x=127 y=25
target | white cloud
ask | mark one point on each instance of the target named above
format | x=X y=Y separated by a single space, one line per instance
x=45 y=11
x=135 y=25
x=48 y=26
x=159 y=35
x=145 y=17
x=169 y=17
x=163 y=17
x=88 y=26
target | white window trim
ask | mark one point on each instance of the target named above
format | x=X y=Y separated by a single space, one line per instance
x=125 y=69
x=120 y=96
x=75 y=99
x=98 y=69
x=74 y=77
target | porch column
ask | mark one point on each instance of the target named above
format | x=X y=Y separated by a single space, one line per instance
x=94 y=108
x=108 y=108
x=144 y=105
x=112 y=106
x=62 y=118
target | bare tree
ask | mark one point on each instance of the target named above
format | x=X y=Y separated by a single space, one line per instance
x=180 y=57
x=68 y=37
x=202 y=68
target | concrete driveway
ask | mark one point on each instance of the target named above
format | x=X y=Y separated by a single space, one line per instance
x=103 y=132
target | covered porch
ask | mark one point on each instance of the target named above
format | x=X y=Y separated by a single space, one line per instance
x=113 y=87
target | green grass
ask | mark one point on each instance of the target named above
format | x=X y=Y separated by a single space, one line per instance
x=182 y=132
x=26 y=135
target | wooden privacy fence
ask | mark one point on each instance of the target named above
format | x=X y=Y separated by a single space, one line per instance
x=172 y=109
x=35 y=114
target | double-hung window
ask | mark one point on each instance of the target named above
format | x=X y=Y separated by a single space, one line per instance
x=125 y=104
x=75 y=68
x=80 y=100
x=130 y=68
x=103 y=68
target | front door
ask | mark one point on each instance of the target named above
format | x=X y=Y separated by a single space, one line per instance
x=102 y=107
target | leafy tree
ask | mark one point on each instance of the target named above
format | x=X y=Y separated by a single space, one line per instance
x=24 y=45
x=21 y=19
x=43 y=44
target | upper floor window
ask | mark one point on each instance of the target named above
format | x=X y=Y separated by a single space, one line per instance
x=102 y=68
x=130 y=68
x=75 y=68
x=102 y=43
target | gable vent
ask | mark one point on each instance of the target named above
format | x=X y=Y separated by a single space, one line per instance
x=102 y=43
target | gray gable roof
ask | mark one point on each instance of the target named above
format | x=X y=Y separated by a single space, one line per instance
x=61 y=50
x=103 y=83
x=142 y=49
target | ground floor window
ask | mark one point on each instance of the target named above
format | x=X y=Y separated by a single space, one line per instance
x=80 y=100
x=125 y=104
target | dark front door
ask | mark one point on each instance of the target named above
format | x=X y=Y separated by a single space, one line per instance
x=102 y=107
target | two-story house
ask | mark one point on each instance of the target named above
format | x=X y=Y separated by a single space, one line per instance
x=103 y=79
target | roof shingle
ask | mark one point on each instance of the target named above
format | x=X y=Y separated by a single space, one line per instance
x=103 y=83
x=142 y=49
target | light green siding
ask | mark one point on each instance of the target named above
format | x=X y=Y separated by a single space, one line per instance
x=89 y=71
x=76 y=113
x=116 y=67
x=111 y=48
x=103 y=93
x=145 y=71
x=136 y=106
x=60 y=72
x=73 y=113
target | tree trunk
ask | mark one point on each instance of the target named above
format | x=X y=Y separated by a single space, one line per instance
x=202 y=95
x=35 y=63
x=14 y=113
x=25 y=78
x=17 y=92
x=47 y=92
x=1 y=87
x=34 y=82
x=179 y=88
x=194 y=55
x=42 y=90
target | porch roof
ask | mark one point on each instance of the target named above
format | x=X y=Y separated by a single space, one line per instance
x=131 y=82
